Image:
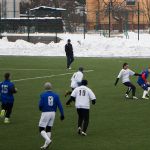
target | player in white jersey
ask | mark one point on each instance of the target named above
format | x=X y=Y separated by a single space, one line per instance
x=82 y=96
x=125 y=74
x=76 y=79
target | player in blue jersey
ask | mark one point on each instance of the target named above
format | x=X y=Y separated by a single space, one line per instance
x=49 y=101
x=144 y=84
x=7 y=89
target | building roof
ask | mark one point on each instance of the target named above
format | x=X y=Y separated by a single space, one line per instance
x=47 y=8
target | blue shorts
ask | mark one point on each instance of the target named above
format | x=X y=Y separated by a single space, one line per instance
x=144 y=86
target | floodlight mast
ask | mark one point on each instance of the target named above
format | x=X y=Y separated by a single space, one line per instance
x=14 y=8
x=56 y=4
x=0 y=21
x=138 y=20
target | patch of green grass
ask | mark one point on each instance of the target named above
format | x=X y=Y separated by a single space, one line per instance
x=115 y=123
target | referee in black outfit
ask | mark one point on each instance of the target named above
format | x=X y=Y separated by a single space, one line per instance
x=69 y=54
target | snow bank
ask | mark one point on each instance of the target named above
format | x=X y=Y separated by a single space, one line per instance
x=93 y=46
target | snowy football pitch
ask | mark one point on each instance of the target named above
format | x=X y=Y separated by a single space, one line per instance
x=115 y=123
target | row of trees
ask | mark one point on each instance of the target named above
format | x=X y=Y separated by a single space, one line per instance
x=146 y=6
x=119 y=11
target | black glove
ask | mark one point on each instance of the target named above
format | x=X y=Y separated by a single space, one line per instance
x=67 y=103
x=93 y=102
x=62 y=117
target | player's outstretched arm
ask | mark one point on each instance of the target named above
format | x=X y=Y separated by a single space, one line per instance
x=70 y=100
x=137 y=74
x=116 y=81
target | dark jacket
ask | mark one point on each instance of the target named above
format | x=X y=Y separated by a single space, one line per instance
x=69 y=49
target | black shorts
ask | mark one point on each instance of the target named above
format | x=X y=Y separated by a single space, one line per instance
x=128 y=84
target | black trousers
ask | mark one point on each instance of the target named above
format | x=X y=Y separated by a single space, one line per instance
x=8 y=109
x=131 y=87
x=70 y=60
x=83 y=118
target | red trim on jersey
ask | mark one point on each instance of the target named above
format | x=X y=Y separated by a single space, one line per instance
x=144 y=77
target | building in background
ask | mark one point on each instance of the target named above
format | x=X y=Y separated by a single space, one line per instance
x=123 y=14
x=10 y=8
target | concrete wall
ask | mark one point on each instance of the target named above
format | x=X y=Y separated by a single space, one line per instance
x=10 y=8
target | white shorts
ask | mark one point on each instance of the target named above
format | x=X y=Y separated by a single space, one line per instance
x=74 y=85
x=47 y=119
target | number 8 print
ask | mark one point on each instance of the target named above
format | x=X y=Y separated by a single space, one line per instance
x=50 y=101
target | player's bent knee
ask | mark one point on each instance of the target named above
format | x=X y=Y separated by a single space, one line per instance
x=133 y=87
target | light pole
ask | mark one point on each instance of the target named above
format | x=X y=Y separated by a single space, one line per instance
x=138 y=20
x=0 y=20
x=14 y=8
x=56 y=4
x=28 y=13
x=97 y=16
x=84 y=21
x=110 y=3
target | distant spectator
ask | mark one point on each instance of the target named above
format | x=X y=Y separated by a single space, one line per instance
x=69 y=54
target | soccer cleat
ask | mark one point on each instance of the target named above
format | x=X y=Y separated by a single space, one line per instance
x=2 y=113
x=126 y=96
x=83 y=133
x=69 y=68
x=134 y=97
x=46 y=145
x=146 y=98
x=6 y=120
x=79 y=130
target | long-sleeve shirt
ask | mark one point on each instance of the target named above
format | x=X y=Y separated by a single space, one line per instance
x=69 y=49
x=125 y=74
x=7 y=89
x=49 y=101
x=143 y=78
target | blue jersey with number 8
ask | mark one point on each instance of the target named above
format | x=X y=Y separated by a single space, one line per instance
x=49 y=101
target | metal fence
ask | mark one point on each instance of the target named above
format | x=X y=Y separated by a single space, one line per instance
x=79 y=23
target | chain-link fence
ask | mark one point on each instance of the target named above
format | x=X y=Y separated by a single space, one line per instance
x=106 y=20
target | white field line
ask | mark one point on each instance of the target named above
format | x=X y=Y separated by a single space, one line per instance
x=11 y=69
x=42 y=77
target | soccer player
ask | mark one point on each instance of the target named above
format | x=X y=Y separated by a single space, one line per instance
x=82 y=96
x=69 y=54
x=7 y=89
x=125 y=74
x=76 y=80
x=49 y=101
x=144 y=84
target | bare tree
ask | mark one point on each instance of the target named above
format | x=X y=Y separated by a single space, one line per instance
x=118 y=11
x=146 y=9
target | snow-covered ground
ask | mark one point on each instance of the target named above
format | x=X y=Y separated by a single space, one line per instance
x=93 y=46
